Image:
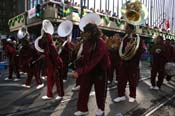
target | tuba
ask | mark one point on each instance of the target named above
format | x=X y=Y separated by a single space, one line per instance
x=47 y=27
x=22 y=32
x=89 y=18
x=65 y=30
x=135 y=13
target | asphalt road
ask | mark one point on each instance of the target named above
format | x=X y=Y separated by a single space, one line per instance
x=18 y=101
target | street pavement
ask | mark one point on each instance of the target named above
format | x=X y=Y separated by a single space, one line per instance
x=18 y=101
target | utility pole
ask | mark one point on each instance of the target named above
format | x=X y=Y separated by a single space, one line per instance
x=151 y=12
x=172 y=17
x=82 y=4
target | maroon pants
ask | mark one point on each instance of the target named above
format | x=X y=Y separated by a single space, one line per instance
x=65 y=71
x=112 y=69
x=78 y=81
x=130 y=76
x=54 y=78
x=33 y=71
x=13 y=66
x=161 y=73
x=100 y=90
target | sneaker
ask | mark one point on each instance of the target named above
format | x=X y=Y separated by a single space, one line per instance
x=79 y=113
x=46 y=97
x=6 y=79
x=58 y=98
x=119 y=99
x=156 y=88
x=100 y=112
x=26 y=86
x=131 y=99
x=25 y=73
x=17 y=79
x=64 y=81
x=76 y=88
x=115 y=82
x=44 y=77
x=151 y=87
x=40 y=86
x=21 y=73
x=109 y=82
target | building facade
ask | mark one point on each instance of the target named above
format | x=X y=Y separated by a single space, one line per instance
x=160 y=12
x=9 y=9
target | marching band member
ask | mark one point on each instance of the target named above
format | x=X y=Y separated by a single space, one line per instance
x=65 y=56
x=114 y=58
x=54 y=68
x=65 y=31
x=129 y=64
x=28 y=63
x=169 y=55
x=12 y=55
x=159 y=60
x=76 y=62
x=53 y=61
x=93 y=71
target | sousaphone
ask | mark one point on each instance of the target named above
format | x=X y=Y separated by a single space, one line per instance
x=22 y=32
x=89 y=18
x=47 y=27
x=65 y=30
x=135 y=13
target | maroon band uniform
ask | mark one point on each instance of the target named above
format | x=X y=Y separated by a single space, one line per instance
x=12 y=55
x=65 y=56
x=129 y=71
x=93 y=71
x=26 y=59
x=159 y=59
x=54 y=68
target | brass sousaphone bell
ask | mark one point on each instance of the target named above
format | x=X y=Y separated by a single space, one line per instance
x=135 y=13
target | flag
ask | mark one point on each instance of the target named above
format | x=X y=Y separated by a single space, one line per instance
x=117 y=22
x=107 y=20
x=167 y=24
x=68 y=11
